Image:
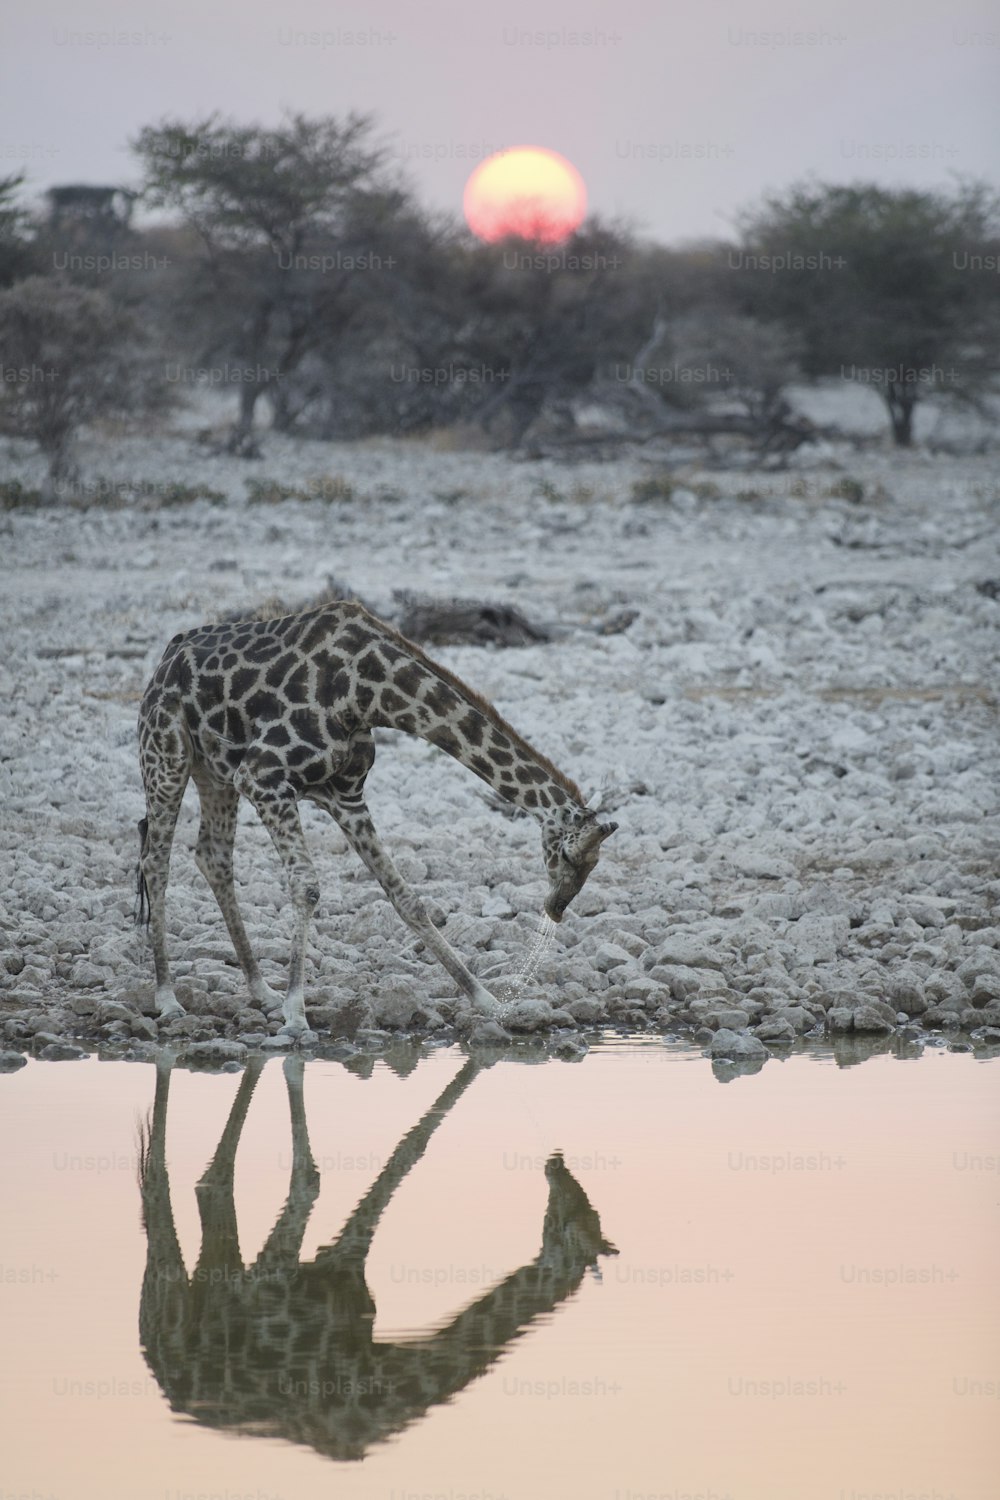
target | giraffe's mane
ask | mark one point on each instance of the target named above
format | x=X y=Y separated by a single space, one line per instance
x=476 y=701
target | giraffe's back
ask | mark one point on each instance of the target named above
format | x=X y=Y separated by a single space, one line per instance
x=288 y=686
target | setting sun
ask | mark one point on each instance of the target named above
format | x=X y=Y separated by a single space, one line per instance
x=527 y=191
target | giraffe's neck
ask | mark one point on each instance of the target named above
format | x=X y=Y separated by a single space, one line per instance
x=439 y=711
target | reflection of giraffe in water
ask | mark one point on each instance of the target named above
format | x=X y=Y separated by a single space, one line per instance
x=286 y=1349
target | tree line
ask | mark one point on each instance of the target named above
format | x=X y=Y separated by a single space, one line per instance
x=293 y=267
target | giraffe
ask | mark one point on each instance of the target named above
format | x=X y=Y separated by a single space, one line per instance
x=286 y=1348
x=284 y=709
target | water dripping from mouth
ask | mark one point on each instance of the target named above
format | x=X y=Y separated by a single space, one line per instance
x=540 y=944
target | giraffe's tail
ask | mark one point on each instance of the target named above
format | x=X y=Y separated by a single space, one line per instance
x=141 y=913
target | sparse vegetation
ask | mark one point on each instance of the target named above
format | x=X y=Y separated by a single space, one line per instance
x=108 y=494
x=658 y=489
x=847 y=488
x=184 y=494
x=15 y=496
x=273 y=492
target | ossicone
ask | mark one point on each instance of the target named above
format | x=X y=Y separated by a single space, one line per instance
x=596 y=833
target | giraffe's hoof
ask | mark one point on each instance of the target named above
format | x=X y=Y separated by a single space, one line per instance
x=269 y=1000
x=296 y=1030
x=483 y=1002
x=301 y=1035
x=168 y=1007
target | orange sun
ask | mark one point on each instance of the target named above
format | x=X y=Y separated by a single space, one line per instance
x=527 y=191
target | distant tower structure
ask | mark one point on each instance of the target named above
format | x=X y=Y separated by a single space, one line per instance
x=80 y=204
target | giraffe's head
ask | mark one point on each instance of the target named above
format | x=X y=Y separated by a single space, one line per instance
x=571 y=851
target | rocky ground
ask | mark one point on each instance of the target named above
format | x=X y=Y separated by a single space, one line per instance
x=783 y=684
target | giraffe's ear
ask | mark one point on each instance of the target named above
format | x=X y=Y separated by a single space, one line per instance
x=596 y=834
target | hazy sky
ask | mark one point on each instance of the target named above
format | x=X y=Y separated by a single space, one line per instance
x=676 y=115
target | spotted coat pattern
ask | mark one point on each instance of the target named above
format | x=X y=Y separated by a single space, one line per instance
x=284 y=709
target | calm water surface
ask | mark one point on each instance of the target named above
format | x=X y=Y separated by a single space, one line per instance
x=612 y=1280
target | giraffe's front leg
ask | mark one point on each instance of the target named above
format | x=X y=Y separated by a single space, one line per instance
x=415 y=914
x=355 y=820
x=261 y=779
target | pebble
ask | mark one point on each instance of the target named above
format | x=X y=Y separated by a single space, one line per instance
x=874 y=1017
x=736 y=1045
x=725 y=1018
x=775 y=1031
x=570 y=1049
x=586 y=1011
x=609 y=956
x=686 y=953
x=942 y=1018
x=799 y=1019
x=527 y=1015
x=984 y=989
x=218 y=1051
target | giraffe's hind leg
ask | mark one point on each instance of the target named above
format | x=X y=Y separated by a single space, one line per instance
x=263 y=781
x=214 y=857
x=165 y=759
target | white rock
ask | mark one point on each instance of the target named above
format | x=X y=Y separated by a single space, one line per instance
x=526 y=1015
x=495 y=905
x=761 y=866
x=609 y=956
x=818 y=939
x=738 y=1046
x=217 y=1051
x=687 y=952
